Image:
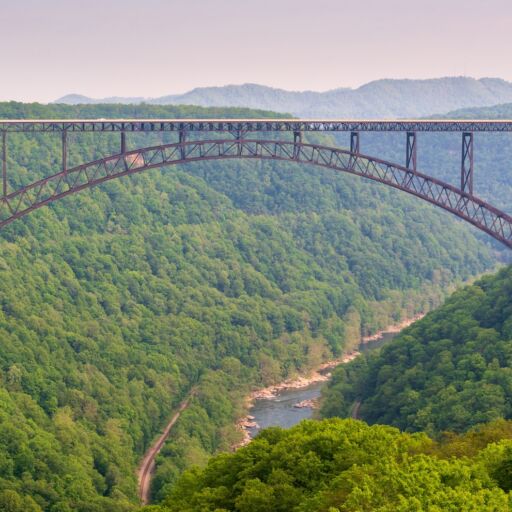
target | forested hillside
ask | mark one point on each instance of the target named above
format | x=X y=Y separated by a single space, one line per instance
x=345 y=465
x=449 y=371
x=117 y=301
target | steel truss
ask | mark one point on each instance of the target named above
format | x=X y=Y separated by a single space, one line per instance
x=244 y=126
x=68 y=181
x=411 y=151
x=466 y=170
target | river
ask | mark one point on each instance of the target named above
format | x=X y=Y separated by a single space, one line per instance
x=281 y=411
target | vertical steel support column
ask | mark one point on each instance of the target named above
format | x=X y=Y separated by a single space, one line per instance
x=297 y=141
x=354 y=142
x=466 y=169
x=4 y=163
x=183 y=139
x=64 y=150
x=410 y=152
x=123 y=149
x=354 y=149
x=239 y=134
x=123 y=143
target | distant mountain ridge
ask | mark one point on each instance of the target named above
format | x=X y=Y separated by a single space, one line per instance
x=377 y=99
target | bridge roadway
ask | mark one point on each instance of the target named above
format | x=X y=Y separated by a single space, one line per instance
x=255 y=125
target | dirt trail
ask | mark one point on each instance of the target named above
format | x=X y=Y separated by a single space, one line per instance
x=147 y=466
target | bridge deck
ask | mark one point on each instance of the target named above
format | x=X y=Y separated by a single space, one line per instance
x=255 y=125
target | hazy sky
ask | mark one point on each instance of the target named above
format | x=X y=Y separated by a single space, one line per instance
x=155 y=47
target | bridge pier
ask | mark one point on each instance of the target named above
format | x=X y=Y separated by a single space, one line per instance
x=64 y=150
x=123 y=143
x=354 y=142
x=410 y=151
x=354 y=148
x=297 y=141
x=467 y=167
x=4 y=163
x=182 y=140
x=123 y=148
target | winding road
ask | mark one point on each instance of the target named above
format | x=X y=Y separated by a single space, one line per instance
x=147 y=466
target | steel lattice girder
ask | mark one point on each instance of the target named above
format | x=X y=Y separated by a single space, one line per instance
x=473 y=210
x=242 y=126
x=467 y=165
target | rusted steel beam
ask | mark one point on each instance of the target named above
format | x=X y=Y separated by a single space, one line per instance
x=123 y=143
x=182 y=141
x=410 y=151
x=354 y=142
x=64 y=150
x=297 y=141
x=467 y=164
x=4 y=163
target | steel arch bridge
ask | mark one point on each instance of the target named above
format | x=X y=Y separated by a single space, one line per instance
x=237 y=145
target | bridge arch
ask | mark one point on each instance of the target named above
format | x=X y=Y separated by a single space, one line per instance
x=69 y=181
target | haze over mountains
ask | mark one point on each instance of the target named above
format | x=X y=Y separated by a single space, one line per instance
x=378 y=99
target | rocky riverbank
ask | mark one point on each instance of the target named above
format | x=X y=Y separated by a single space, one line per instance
x=392 y=329
x=320 y=374
x=317 y=375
